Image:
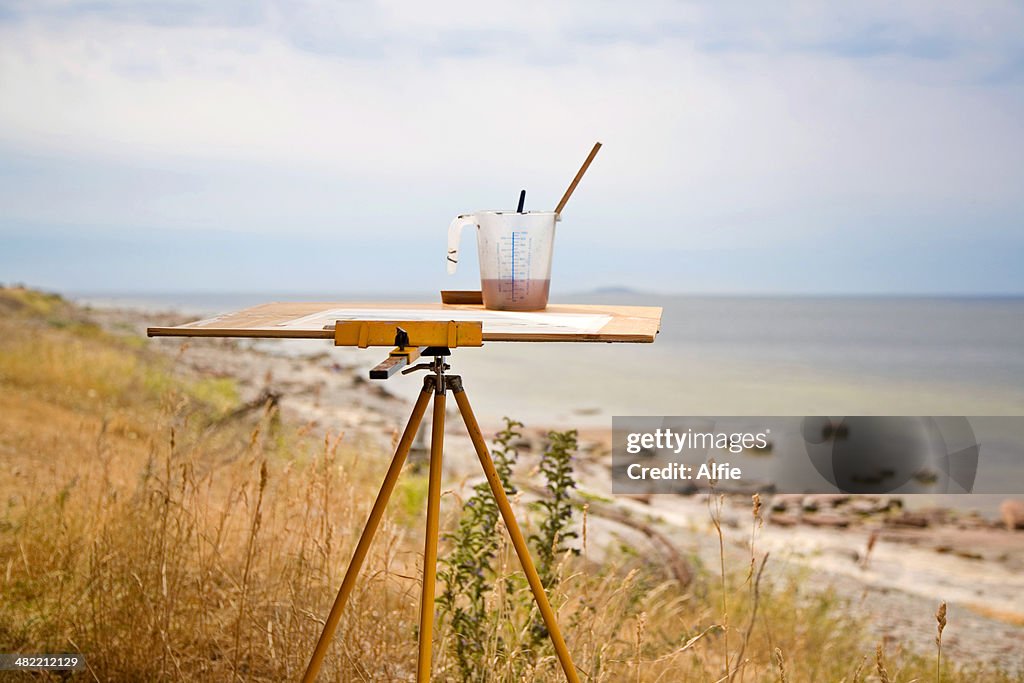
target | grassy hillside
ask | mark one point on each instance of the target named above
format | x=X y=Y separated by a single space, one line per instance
x=146 y=524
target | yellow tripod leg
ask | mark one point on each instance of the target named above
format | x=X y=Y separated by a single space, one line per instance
x=430 y=544
x=564 y=658
x=367 y=537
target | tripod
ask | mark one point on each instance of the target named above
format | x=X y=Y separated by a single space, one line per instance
x=438 y=384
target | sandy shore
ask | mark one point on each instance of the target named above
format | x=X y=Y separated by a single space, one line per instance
x=969 y=562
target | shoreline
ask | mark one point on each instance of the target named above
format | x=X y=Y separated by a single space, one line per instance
x=977 y=568
x=591 y=383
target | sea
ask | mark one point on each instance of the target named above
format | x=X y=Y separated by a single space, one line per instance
x=721 y=355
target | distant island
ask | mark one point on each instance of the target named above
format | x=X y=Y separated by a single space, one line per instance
x=615 y=289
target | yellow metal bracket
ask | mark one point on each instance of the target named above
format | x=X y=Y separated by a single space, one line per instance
x=410 y=338
x=447 y=333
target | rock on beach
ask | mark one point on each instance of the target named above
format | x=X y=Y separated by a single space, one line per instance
x=1012 y=513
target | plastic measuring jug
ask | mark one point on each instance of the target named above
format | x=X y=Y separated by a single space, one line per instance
x=515 y=256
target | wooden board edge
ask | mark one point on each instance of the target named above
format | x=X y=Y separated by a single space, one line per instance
x=328 y=334
x=585 y=339
x=239 y=333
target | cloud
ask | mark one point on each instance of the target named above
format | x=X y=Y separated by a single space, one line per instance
x=724 y=126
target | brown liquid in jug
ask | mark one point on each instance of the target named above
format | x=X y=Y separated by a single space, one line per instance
x=515 y=295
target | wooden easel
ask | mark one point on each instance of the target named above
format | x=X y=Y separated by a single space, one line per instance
x=431 y=336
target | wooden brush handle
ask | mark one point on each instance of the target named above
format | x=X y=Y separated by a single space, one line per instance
x=576 y=180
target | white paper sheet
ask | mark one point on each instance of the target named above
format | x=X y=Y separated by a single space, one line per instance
x=495 y=322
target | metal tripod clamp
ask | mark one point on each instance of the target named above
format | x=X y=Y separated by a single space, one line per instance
x=411 y=339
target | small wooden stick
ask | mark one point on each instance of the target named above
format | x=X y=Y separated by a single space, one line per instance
x=576 y=180
x=460 y=296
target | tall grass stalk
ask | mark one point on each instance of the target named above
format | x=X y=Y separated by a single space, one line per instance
x=940 y=619
x=715 y=503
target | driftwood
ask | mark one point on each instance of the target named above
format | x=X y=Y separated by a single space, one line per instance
x=678 y=566
x=266 y=400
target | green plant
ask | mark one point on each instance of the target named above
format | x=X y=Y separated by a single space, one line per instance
x=551 y=540
x=468 y=569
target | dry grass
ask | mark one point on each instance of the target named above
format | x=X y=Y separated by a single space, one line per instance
x=165 y=544
x=141 y=528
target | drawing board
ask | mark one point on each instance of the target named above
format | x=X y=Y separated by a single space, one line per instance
x=315 y=320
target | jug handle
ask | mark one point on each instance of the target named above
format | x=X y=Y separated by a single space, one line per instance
x=454 y=233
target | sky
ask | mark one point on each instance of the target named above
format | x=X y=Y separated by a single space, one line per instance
x=753 y=148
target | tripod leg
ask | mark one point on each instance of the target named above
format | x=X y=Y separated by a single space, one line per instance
x=430 y=544
x=367 y=537
x=564 y=658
